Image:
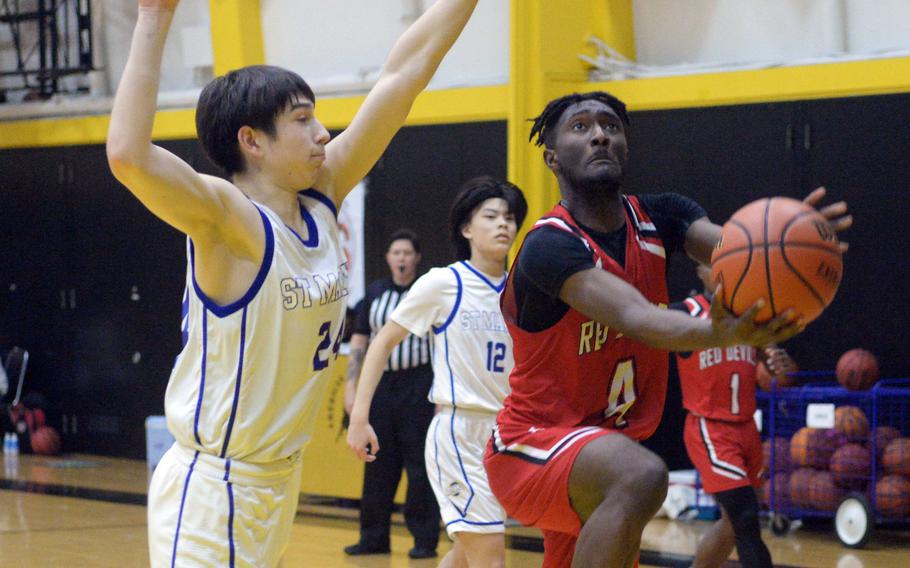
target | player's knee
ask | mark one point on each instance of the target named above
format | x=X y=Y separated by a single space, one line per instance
x=741 y=507
x=493 y=562
x=642 y=488
x=646 y=483
x=486 y=558
x=745 y=522
x=482 y=550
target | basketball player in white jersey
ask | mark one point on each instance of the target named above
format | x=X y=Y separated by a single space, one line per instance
x=472 y=358
x=266 y=278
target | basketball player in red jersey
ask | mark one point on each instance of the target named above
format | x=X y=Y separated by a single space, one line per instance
x=718 y=390
x=583 y=305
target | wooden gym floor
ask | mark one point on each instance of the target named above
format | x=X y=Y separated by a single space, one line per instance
x=82 y=510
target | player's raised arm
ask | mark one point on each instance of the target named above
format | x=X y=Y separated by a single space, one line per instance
x=701 y=237
x=615 y=303
x=702 y=234
x=164 y=183
x=407 y=71
x=360 y=433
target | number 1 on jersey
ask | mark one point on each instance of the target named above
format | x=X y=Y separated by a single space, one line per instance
x=734 y=387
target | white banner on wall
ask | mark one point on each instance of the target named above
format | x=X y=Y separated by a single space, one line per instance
x=350 y=228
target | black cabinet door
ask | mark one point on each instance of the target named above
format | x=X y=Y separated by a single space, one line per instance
x=127 y=270
x=415 y=181
x=860 y=149
x=722 y=158
x=33 y=298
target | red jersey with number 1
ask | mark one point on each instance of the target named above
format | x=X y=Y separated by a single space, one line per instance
x=717 y=383
x=579 y=372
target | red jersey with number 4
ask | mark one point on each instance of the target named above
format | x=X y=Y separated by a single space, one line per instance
x=717 y=383
x=579 y=372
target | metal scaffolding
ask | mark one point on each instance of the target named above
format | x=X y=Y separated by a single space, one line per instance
x=51 y=39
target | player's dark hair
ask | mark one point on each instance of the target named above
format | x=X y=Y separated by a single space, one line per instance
x=544 y=124
x=404 y=235
x=251 y=96
x=469 y=197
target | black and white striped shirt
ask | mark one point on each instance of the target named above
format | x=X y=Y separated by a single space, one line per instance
x=373 y=312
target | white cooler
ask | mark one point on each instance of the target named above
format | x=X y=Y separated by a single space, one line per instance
x=157 y=440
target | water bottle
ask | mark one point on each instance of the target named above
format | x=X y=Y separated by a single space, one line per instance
x=14 y=444
x=6 y=444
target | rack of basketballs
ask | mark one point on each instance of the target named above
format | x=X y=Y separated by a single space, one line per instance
x=837 y=451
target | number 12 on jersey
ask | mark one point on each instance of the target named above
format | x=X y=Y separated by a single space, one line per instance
x=496 y=354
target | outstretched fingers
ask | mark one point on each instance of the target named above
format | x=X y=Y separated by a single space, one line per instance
x=837 y=214
x=777 y=330
x=815 y=196
x=784 y=326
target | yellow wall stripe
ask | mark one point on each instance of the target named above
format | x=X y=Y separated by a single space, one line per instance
x=433 y=107
x=236 y=34
x=614 y=22
x=546 y=39
x=448 y=106
x=169 y=125
x=828 y=80
x=871 y=77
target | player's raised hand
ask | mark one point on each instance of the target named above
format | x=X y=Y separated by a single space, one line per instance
x=169 y=5
x=836 y=213
x=363 y=441
x=744 y=330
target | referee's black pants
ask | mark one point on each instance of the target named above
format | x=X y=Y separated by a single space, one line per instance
x=400 y=416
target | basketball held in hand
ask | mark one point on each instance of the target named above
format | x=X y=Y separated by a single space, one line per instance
x=780 y=250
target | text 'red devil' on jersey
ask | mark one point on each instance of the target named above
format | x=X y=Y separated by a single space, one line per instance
x=718 y=382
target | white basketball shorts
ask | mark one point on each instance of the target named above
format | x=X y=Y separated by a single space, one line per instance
x=456 y=442
x=207 y=511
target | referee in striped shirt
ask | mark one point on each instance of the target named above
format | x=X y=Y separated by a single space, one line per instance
x=400 y=413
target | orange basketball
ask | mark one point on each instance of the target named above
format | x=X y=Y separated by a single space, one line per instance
x=851 y=466
x=799 y=483
x=46 y=441
x=851 y=421
x=897 y=457
x=857 y=369
x=763 y=378
x=812 y=447
x=824 y=494
x=782 y=250
x=892 y=496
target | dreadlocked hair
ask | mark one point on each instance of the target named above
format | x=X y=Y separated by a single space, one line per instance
x=543 y=124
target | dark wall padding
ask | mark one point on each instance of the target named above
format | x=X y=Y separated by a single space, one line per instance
x=91 y=282
x=415 y=181
x=857 y=148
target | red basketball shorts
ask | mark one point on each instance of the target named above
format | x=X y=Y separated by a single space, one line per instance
x=530 y=474
x=727 y=455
